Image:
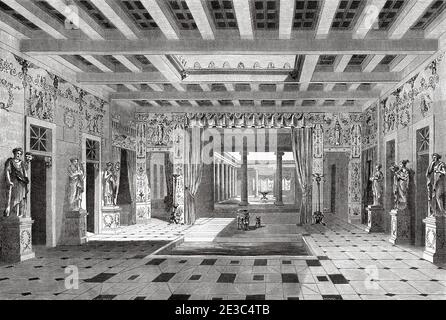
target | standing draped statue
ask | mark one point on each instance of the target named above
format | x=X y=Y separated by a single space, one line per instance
x=435 y=175
x=17 y=184
x=377 y=185
x=401 y=177
x=110 y=181
x=76 y=184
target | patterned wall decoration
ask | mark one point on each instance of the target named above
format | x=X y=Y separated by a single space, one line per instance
x=337 y=127
x=93 y=110
x=354 y=188
x=370 y=127
x=356 y=140
x=123 y=136
x=318 y=141
x=143 y=202
x=398 y=108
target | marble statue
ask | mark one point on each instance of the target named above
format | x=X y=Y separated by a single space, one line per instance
x=377 y=185
x=76 y=183
x=401 y=175
x=17 y=185
x=337 y=133
x=435 y=175
x=110 y=180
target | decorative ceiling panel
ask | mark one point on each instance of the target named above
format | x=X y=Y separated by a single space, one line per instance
x=138 y=13
x=182 y=14
x=265 y=14
x=223 y=14
x=347 y=14
x=431 y=13
x=306 y=14
x=14 y=14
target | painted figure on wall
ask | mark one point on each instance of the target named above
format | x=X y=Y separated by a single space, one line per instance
x=76 y=183
x=377 y=185
x=110 y=183
x=337 y=133
x=435 y=175
x=401 y=175
x=17 y=185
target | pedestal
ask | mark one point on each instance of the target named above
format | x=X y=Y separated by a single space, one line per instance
x=75 y=228
x=111 y=219
x=400 y=226
x=374 y=219
x=16 y=241
x=435 y=250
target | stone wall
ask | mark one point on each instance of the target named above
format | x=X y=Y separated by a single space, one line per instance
x=28 y=91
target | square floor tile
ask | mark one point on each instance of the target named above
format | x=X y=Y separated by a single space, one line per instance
x=155 y=262
x=258 y=277
x=226 y=278
x=313 y=263
x=163 y=277
x=331 y=297
x=208 y=262
x=255 y=297
x=338 y=279
x=260 y=262
x=322 y=278
x=195 y=277
x=290 y=278
x=140 y=298
x=105 y=297
x=101 y=277
x=179 y=297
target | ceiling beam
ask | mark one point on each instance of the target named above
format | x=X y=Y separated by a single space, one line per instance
x=371 y=62
x=157 y=77
x=201 y=18
x=298 y=108
x=160 y=16
x=411 y=12
x=247 y=95
x=341 y=62
x=328 y=11
x=164 y=66
x=368 y=18
x=400 y=63
x=244 y=19
x=286 y=16
x=333 y=45
x=308 y=70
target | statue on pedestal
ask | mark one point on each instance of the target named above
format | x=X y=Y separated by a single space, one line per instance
x=110 y=181
x=17 y=184
x=435 y=175
x=76 y=184
x=377 y=185
x=401 y=177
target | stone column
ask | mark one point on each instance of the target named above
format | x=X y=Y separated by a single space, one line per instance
x=217 y=182
x=279 y=201
x=222 y=195
x=244 y=177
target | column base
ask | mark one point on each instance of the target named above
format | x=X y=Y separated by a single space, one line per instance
x=278 y=203
x=75 y=232
x=374 y=216
x=111 y=219
x=243 y=203
x=435 y=248
x=400 y=226
x=16 y=239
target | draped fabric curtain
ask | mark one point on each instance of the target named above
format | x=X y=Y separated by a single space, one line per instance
x=168 y=173
x=302 y=144
x=131 y=167
x=192 y=171
x=116 y=158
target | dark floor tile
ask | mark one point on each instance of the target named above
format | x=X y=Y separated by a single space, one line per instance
x=290 y=278
x=260 y=262
x=217 y=298
x=2 y=279
x=423 y=294
x=208 y=262
x=182 y=261
x=433 y=280
x=255 y=297
x=155 y=262
x=38 y=267
x=286 y=262
x=33 y=279
x=26 y=294
x=195 y=277
x=313 y=263
x=105 y=297
x=323 y=258
x=258 y=277
x=226 y=278
x=403 y=280
x=322 y=278
x=101 y=277
x=413 y=268
x=390 y=294
x=133 y=277
x=138 y=256
x=338 y=279
x=234 y=262
x=293 y=298
x=179 y=297
x=163 y=277
x=331 y=297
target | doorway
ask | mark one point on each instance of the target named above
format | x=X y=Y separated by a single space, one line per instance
x=336 y=184
x=38 y=200
x=390 y=161
x=90 y=196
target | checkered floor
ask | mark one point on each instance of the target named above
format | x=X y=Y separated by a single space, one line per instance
x=347 y=263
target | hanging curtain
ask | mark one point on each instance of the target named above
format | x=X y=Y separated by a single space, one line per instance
x=302 y=144
x=116 y=159
x=131 y=167
x=192 y=172
x=168 y=173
